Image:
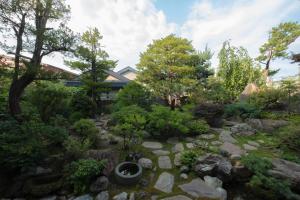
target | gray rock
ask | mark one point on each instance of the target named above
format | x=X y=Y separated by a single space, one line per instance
x=229 y=149
x=161 y=152
x=102 y=196
x=286 y=170
x=164 y=162
x=178 y=197
x=225 y=136
x=189 y=139
x=41 y=171
x=49 y=198
x=177 y=161
x=178 y=148
x=184 y=169
x=207 y=136
x=249 y=147
x=152 y=145
x=184 y=176
x=84 y=197
x=190 y=145
x=213 y=181
x=165 y=182
x=199 y=189
x=222 y=192
x=100 y=184
x=172 y=140
x=235 y=157
x=242 y=129
x=252 y=143
x=267 y=125
x=121 y=196
x=145 y=163
x=154 y=197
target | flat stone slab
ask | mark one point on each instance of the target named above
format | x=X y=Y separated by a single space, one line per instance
x=161 y=152
x=207 y=136
x=177 y=162
x=249 y=147
x=199 y=189
x=190 y=145
x=178 y=197
x=172 y=140
x=164 y=162
x=225 y=136
x=165 y=182
x=152 y=145
x=178 y=148
x=216 y=143
x=231 y=149
x=252 y=143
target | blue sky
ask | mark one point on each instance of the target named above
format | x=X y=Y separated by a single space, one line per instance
x=128 y=26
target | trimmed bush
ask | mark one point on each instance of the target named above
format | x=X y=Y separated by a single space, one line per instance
x=243 y=110
x=189 y=158
x=86 y=129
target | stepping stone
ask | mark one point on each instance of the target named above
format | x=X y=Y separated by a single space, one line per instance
x=172 y=140
x=230 y=149
x=178 y=148
x=177 y=162
x=216 y=143
x=225 y=136
x=197 y=188
x=190 y=145
x=152 y=145
x=252 y=143
x=261 y=141
x=165 y=182
x=161 y=152
x=249 y=147
x=164 y=162
x=189 y=139
x=207 y=136
x=178 y=197
x=84 y=197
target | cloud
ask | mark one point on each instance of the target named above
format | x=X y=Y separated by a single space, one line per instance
x=244 y=23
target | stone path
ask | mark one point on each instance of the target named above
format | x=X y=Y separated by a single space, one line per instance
x=178 y=148
x=165 y=182
x=152 y=145
x=161 y=152
x=178 y=197
x=231 y=149
x=164 y=162
x=225 y=136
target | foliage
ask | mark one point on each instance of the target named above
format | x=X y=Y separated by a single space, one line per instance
x=50 y=99
x=81 y=105
x=215 y=91
x=289 y=137
x=131 y=122
x=93 y=62
x=4 y=89
x=86 y=129
x=280 y=38
x=82 y=172
x=236 y=69
x=197 y=127
x=189 y=158
x=262 y=180
x=76 y=148
x=243 y=110
x=267 y=98
x=289 y=86
x=167 y=68
x=24 y=145
x=133 y=94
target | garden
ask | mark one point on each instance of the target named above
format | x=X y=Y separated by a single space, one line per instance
x=179 y=131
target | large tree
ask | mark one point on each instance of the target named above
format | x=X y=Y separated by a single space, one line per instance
x=236 y=69
x=166 y=68
x=93 y=62
x=33 y=18
x=280 y=38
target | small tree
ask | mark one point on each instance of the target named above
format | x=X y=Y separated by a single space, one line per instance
x=289 y=86
x=93 y=62
x=166 y=68
x=280 y=38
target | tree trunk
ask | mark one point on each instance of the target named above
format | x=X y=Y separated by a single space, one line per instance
x=173 y=103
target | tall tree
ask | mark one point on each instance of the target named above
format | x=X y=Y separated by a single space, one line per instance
x=166 y=68
x=41 y=39
x=280 y=38
x=236 y=69
x=92 y=61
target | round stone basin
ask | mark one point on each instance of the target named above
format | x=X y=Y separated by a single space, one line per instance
x=128 y=173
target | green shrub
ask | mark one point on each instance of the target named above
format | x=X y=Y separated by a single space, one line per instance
x=131 y=122
x=86 y=129
x=262 y=180
x=243 y=110
x=269 y=98
x=133 y=94
x=289 y=138
x=197 y=127
x=76 y=148
x=49 y=98
x=83 y=104
x=189 y=158
x=83 y=171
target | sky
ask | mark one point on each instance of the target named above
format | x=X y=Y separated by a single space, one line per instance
x=128 y=26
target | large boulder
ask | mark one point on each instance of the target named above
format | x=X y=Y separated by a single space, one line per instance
x=214 y=165
x=146 y=163
x=212 y=113
x=100 y=184
x=286 y=170
x=266 y=125
x=243 y=129
x=111 y=156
